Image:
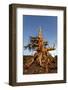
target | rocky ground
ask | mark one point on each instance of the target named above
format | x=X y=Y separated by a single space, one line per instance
x=31 y=66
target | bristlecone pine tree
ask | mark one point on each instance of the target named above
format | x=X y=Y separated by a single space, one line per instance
x=42 y=54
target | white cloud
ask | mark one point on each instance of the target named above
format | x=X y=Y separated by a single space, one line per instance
x=27 y=52
x=53 y=53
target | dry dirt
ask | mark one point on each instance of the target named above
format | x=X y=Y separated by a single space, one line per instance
x=31 y=66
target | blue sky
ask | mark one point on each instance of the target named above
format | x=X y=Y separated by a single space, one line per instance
x=32 y=24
